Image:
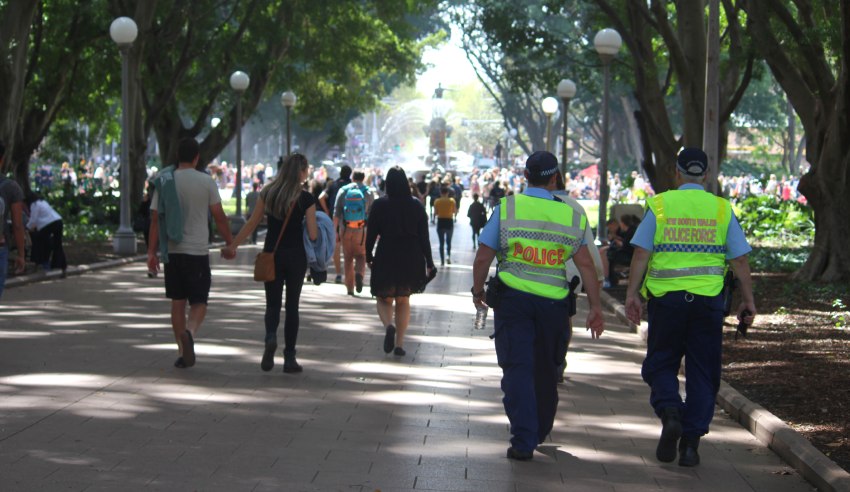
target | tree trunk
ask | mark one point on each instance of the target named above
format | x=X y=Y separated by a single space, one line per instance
x=826 y=188
x=822 y=101
x=15 y=21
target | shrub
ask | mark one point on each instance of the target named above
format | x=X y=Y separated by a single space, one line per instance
x=770 y=220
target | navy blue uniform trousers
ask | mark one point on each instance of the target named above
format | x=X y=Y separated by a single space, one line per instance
x=531 y=337
x=683 y=324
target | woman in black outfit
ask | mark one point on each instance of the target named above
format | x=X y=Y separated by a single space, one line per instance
x=280 y=196
x=402 y=263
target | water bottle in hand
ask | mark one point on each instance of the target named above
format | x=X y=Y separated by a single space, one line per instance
x=480 y=317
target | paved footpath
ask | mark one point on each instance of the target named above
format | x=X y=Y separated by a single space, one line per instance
x=89 y=399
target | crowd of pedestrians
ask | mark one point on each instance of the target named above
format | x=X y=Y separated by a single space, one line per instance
x=536 y=230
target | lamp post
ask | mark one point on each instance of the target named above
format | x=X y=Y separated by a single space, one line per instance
x=566 y=91
x=238 y=82
x=550 y=106
x=513 y=134
x=288 y=100
x=123 y=31
x=607 y=43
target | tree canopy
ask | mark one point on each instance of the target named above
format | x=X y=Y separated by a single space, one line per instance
x=338 y=57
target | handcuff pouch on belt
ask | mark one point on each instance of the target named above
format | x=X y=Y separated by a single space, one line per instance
x=495 y=288
x=572 y=298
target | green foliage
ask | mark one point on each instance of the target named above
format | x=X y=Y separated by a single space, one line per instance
x=736 y=167
x=840 y=316
x=778 y=259
x=85 y=212
x=87 y=232
x=776 y=222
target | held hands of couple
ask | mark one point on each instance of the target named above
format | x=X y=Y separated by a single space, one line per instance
x=228 y=252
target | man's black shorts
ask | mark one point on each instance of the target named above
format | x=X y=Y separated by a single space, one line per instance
x=188 y=277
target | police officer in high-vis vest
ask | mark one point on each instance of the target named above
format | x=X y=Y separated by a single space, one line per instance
x=533 y=235
x=681 y=250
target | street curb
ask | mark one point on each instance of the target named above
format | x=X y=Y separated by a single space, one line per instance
x=72 y=270
x=796 y=450
x=81 y=269
x=793 y=448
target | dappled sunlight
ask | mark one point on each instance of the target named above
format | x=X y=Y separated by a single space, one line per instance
x=438 y=384
x=81 y=322
x=130 y=314
x=413 y=398
x=144 y=326
x=23 y=313
x=460 y=302
x=184 y=393
x=107 y=413
x=350 y=327
x=379 y=368
x=30 y=402
x=58 y=380
x=204 y=348
x=474 y=371
x=232 y=273
x=455 y=342
x=23 y=334
x=62 y=459
x=494 y=418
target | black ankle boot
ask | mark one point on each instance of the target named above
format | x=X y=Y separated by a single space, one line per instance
x=688 y=455
x=670 y=433
x=290 y=365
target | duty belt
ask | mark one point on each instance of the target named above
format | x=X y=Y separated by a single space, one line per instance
x=687 y=272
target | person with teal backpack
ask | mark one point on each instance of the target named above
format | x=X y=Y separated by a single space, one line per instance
x=353 y=202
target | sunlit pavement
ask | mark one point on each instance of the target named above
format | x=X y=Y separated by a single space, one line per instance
x=89 y=399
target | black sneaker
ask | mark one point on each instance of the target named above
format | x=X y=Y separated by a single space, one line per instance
x=670 y=434
x=516 y=454
x=399 y=352
x=268 y=357
x=358 y=282
x=338 y=279
x=389 y=339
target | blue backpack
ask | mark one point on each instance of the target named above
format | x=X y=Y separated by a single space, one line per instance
x=354 y=206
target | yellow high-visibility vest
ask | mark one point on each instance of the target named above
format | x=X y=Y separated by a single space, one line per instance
x=536 y=238
x=689 y=247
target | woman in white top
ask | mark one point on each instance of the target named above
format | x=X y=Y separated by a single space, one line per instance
x=45 y=226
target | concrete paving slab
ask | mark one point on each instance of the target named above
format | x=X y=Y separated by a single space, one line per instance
x=89 y=399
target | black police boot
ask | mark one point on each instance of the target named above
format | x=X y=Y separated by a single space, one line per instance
x=670 y=434
x=290 y=365
x=688 y=455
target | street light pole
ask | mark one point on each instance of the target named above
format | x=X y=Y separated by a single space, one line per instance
x=513 y=134
x=288 y=100
x=550 y=105
x=607 y=43
x=239 y=82
x=566 y=91
x=123 y=31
